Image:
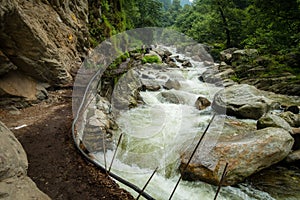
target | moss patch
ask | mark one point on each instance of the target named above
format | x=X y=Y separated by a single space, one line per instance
x=151 y=59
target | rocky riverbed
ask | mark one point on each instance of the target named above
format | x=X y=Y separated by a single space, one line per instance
x=260 y=128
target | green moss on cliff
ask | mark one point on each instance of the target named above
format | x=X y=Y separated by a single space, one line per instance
x=106 y=18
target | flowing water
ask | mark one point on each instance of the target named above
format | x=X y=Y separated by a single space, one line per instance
x=155 y=134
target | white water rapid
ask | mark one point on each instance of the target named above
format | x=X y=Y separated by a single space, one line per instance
x=157 y=132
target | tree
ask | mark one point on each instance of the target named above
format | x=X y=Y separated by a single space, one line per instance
x=166 y=4
x=273 y=25
x=150 y=13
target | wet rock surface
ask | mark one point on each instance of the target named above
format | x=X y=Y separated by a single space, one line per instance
x=245 y=151
x=272 y=120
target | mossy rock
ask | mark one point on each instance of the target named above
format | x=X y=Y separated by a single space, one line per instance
x=151 y=59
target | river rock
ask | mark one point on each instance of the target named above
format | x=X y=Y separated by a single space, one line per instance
x=246 y=153
x=150 y=84
x=14 y=183
x=187 y=63
x=172 y=84
x=202 y=103
x=243 y=55
x=226 y=55
x=283 y=84
x=181 y=97
x=126 y=92
x=291 y=118
x=272 y=120
x=225 y=74
x=209 y=76
x=242 y=101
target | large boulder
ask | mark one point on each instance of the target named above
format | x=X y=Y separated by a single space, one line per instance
x=23 y=86
x=13 y=160
x=246 y=151
x=243 y=55
x=44 y=40
x=242 y=101
x=14 y=183
x=226 y=55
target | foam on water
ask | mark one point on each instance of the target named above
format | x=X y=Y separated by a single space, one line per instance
x=156 y=133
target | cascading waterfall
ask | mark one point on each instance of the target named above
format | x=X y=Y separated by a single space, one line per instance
x=157 y=132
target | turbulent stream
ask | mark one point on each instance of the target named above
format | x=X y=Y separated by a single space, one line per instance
x=156 y=132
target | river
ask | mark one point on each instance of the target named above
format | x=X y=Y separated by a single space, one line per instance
x=156 y=132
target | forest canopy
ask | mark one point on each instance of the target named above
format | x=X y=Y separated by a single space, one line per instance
x=271 y=27
x=266 y=25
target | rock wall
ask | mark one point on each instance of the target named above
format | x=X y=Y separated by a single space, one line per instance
x=42 y=39
x=14 y=182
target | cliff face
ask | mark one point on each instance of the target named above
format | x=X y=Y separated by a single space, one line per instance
x=42 y=42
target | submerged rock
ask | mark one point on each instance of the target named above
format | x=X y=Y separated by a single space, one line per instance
x=281 y=182
x=246 y=151
x=172 y=84
x=242 y=101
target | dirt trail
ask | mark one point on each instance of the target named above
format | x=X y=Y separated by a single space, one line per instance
x=54 y=164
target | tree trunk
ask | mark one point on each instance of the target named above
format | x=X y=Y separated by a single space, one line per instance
x=227 y=31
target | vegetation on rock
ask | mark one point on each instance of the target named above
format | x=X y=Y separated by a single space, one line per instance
x=150 y=59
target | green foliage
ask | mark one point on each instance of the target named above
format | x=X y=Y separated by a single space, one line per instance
x=235 y=78
x=166 y=4
x=116 y=63
x=272 y=27
x=150 y=59
x=106 y=18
